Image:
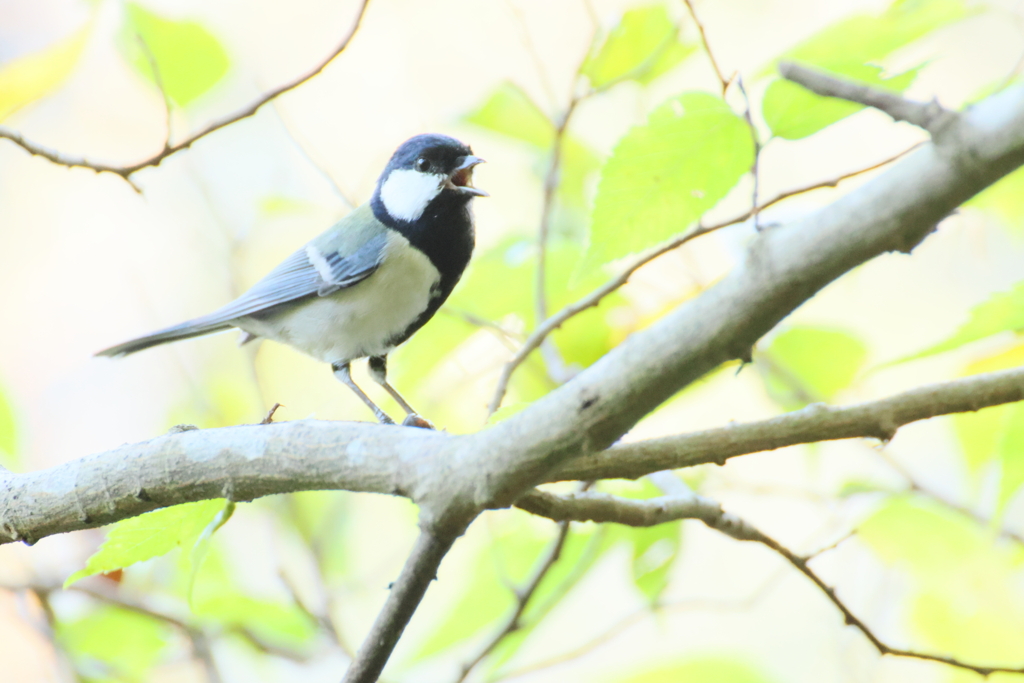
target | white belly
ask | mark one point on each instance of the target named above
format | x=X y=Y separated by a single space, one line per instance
x=363 y=319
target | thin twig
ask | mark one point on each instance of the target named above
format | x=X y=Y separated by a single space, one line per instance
x=600 y=507
x=594 y=298
x=313 y=161
x=523 y=596
x=126 y=172
x=531 y=49
x=754 y=168
x=551 y=180
x=508 y=338
x=831 y=546
x=851 y=619
x=707 y=48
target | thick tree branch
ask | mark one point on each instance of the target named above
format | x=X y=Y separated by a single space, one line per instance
x=599 y=507
x=126 y=172
x=259 y=460
x=931 y=115
x=817 y=422
x=184 y=466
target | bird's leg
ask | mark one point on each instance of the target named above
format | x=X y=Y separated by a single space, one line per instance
x=379 y=374
x=343 y=373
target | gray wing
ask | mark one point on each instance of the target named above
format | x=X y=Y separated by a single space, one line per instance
x=306 y=272
x=313 y=270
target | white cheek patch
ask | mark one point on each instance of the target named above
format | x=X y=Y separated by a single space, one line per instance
x=406 y=193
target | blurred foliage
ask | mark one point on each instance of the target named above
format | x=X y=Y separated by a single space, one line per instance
x=9 y=454
x=1005 y=200
x=113 y=644
x=852 y=48
x=29 y=78
x=510 y=112
x=802 y=365
x=1003 y=312
x=218 y=598
x=662 y=176
x=995 y=436
x=189 y=59
x=222 y=401
x=643 y=45
x=719 y=669
x=965 y=596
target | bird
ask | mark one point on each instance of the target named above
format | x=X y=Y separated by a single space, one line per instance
x=369 y=282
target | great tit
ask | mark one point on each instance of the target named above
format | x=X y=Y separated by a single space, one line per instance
x=368 y=283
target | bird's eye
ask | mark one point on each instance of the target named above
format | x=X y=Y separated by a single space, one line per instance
x=422 y=165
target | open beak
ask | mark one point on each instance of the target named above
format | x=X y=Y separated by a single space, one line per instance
x=461 y=179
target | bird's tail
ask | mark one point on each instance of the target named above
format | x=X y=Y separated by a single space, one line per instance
x=186 y=330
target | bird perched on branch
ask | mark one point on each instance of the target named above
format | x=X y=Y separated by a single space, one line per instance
x=368 y=283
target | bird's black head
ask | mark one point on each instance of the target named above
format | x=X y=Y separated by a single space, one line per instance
x=433 y=171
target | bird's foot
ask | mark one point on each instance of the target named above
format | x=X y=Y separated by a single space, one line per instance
x=414 y=420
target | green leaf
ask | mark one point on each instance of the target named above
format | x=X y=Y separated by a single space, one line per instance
x=150 y=535
x=852 y=48
x=664 y=174
x=26 y=79
x=1005 y=200
x=124 y=643
x=642 y=46
x=701 y=670
x=1002 y=312
x=810 y=364
x=792 y=112
x=190 y=60
x=510 y=112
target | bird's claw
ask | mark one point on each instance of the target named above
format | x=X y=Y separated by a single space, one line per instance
x=414 y=420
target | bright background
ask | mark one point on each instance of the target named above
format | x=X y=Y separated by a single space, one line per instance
x=87 y=262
